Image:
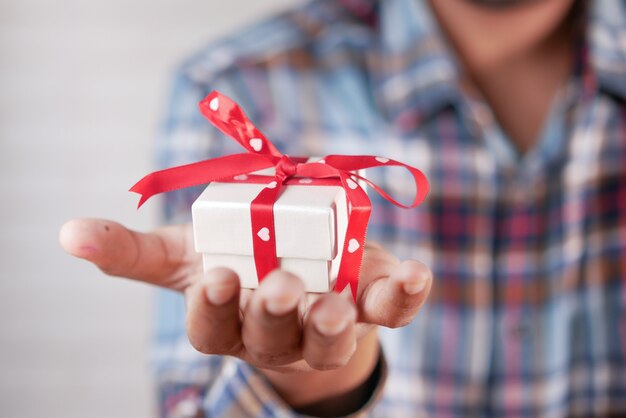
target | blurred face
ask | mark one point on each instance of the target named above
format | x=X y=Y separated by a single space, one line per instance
x=489 y=32
x=500 y=3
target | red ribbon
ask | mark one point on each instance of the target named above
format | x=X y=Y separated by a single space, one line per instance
x=228 y=117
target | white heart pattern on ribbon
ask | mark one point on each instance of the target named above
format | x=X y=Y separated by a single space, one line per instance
x=256 y=144
x=241 y=177
x=271 y=185
x=352 y=184
x=305 y=181
x=264 y=234
x=382 y=160
x=353 y=245
x=214 y=104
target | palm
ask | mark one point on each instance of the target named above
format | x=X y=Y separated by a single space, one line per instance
x=275 y=326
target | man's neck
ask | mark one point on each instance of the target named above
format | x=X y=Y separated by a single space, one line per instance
x=517 y=59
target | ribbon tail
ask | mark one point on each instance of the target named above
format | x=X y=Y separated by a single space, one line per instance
x=354 y=241
x=147 y=187
x=142 y=199
x=354 y=287
x=352 y=282
x=198 y=173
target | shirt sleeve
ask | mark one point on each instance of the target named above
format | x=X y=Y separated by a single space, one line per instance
x=229 y=388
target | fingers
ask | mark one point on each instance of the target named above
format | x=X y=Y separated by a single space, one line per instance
x=213 y=321
x=329 y=333
x=272 y=329
x=394 y=301
x=271 y=333
x=163 y=258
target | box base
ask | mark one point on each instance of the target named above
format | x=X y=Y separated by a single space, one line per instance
x=318 y=275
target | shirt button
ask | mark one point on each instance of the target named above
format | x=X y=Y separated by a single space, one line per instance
x=520 y=331
x=518 y=193
x=516 y=327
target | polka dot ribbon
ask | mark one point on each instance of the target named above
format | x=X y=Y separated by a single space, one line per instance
x=337 y=170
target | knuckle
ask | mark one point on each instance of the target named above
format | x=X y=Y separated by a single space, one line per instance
x=392 y=316
x=325 y=358
x=325 y=365
x=271 y=359
x=406 y=304
x=215 y=347
x=326 y=343
x=399 y=322
x=110 y=269
x=398 y=319
x=201 y=346
x=203 y=337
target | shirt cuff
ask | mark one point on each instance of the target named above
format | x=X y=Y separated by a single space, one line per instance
x=239 y=390
x=373 y=388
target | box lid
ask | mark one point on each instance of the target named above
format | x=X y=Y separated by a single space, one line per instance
x=308 y=220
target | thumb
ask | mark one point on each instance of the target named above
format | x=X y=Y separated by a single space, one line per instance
x=162 y=257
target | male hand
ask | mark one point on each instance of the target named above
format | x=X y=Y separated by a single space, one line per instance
x=277 y=326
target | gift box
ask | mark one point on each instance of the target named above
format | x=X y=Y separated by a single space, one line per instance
x=310 y=224
x=264 y=210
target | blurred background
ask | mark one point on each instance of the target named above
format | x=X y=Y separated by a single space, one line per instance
x=82 y=87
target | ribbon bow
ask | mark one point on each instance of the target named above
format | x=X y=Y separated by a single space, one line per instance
x=338 y=170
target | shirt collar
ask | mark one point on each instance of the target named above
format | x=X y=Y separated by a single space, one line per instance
x=606 y=39
x=409 y=66
x=414 y=73
x=412 y=70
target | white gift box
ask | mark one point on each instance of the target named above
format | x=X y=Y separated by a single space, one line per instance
x=310 y=223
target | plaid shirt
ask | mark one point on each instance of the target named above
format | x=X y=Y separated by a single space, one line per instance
x=527 y=317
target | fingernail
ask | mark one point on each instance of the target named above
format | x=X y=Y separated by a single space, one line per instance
x=281 y=304
x=332 y=327
x=415 y=287
x=219 y=294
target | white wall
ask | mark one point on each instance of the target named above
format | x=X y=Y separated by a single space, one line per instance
x=82 y=84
